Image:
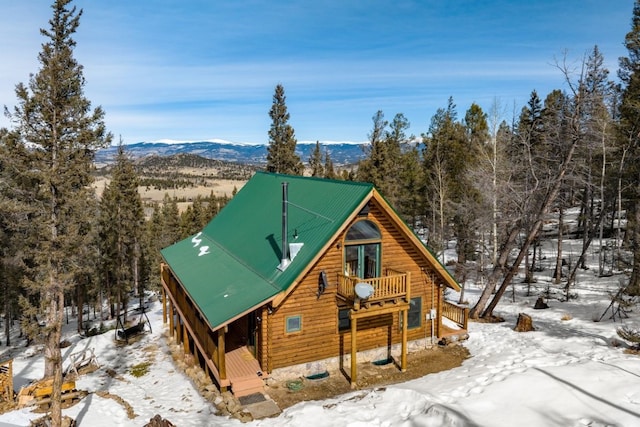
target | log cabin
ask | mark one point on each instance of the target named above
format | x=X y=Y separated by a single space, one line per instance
x=304 y=274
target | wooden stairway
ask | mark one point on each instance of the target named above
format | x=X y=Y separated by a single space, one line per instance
x=244 y=372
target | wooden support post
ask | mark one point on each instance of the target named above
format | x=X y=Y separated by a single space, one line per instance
x=222 y=364
x=185 y=338
x=171 y=319
x=439 y=312
x=403 y=356
x=179 y=329
x=164 y=306
x=354 y=350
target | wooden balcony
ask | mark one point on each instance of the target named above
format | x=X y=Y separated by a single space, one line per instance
x=394 y=287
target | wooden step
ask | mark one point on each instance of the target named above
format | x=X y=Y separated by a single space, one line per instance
x=247 y=385
x=248 y=391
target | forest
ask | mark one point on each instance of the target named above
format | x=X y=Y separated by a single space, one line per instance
x=477 y=182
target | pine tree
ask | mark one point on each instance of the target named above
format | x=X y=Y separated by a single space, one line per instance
x=55 y=120
x=629 y=137
x=281 y=152
x=14 y=225
x=468 y=200
x=170 y=221
x=315 y=161
x=373 y=168
x=121 y=231
x=598 y=91
x=153 y=242
x=329 y=170
x=411 y=195
x=445 y=157
x=383 y=165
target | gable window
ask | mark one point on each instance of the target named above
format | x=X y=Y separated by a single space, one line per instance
x=293 y=323
x=362 y=250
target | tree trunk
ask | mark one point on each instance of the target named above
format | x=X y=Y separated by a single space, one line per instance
x=557 y=275
x=498 y=267
x=8 y=316
x=533 y=233
x=80 y=300
x=7 y=311
x=583 y=255
x=634 y=280
x=514 y=269
x=619 y=210
x=53 y=355
x=587 y=233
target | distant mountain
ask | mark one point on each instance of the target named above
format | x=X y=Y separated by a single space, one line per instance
x=342 y=153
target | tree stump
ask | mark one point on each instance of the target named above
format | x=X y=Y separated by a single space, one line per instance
x=524 y=324
x=158 y=421
x=540 y=304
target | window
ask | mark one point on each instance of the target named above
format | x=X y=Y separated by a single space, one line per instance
x=362 y=250
x=363 y=230
x=344 y=323
x=294 y=323
x=414 y=317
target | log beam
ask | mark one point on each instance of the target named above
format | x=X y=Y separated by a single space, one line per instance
x=354 y=351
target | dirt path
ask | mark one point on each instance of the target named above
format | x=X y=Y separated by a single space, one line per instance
x=419 y=364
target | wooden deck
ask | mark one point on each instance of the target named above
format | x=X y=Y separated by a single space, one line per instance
x=244 y=372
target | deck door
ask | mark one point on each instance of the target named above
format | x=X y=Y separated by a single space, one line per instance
x=363 y=260
x=362 y=250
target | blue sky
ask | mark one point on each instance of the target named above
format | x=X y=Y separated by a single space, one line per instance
x=201 y=69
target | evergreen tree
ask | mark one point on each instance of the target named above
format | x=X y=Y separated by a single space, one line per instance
x=383 y=165
x=374 y=168
x=281 y=152
x=171 y=232
x=329 y=170
x=55 y=121
x=599 y=94
x=445 y=157
x=469 y=200
x=629 y=135
x=411 y=195
x=121 y=231
x=315 y=161
x=14 y=223
x=154 y=243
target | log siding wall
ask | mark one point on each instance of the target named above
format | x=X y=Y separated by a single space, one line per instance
x=319 y=338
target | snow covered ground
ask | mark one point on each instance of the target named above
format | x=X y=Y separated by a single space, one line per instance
x=571 y=371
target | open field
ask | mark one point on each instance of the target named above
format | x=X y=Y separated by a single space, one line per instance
x=219 y=187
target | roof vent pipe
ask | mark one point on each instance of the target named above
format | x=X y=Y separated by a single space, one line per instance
x=284 y=260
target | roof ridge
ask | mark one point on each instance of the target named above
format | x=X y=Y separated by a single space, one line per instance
x=318 y=178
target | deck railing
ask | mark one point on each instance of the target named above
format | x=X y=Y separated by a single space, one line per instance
x=388 y=287
x=455 y=313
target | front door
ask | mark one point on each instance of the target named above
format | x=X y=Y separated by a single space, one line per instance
x=252 y=332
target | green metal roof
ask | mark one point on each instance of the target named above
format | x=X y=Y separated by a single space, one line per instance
x=232 y=265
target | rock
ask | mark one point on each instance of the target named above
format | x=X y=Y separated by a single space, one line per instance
x=234 y=406
x=244 y=417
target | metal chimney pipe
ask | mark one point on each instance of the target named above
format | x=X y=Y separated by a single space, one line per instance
x=284 y=260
